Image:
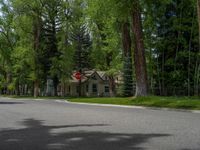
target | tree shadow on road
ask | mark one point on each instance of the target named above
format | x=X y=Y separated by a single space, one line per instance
x=10 y=103
x=37 y=136
x=189 y=149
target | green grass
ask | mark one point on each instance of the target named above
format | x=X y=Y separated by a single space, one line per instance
x=192 y=103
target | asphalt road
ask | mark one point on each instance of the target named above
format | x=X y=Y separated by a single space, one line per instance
x=53 y=125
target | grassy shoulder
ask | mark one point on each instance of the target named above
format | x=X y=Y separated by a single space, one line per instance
x=192 y=103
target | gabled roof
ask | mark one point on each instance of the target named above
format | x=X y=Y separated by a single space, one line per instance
x=101 y=73
x=86 y=75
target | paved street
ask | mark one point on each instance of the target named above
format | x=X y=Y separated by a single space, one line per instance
x=53 y=125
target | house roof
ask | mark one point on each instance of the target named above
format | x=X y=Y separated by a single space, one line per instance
x=86 y=75
x=101 y=73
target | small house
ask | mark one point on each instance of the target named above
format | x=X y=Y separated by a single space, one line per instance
x=93 y=83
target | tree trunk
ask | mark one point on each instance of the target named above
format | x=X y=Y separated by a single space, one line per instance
x=9 y=80
x=55 y=84
x=17 y=89
x=80 y=84
x=36 y=88
x=112 y=86
x=36 y=45
x=62 y=90
x=139 y=53
x=126 y=39
x=198 y=61
x=189 y=57
x=80 y=88
x=198 y=12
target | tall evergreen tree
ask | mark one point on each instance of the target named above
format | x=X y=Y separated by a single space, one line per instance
x=52 y=25
x=128 y=70
x=82 y=44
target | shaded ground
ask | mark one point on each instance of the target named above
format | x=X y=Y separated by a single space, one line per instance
x=9 y=103
x=37 y=136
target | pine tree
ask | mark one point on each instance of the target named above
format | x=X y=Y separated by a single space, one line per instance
x=128 y=77
x=51 y=26
x=128 y=65
x=82 y=44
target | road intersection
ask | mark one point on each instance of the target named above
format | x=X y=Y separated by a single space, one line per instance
x=55 y=125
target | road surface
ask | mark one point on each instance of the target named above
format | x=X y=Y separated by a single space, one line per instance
x=54 y=125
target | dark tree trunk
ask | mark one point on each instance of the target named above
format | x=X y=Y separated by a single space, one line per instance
x=62 y=89
x=126 y=39
x=80 y=85
x=55 y=83
x=17 y=89
x=198 y=12
x=36 y=44
x=9 y=80
x=139 y=52
x=36 y=88
x=198 y=61
x=112 y=86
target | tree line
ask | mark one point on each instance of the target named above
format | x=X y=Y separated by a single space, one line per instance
x=154 y=44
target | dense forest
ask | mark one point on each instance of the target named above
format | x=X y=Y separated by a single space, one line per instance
x=153 y=43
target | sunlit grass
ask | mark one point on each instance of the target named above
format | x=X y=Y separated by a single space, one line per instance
x=151 y=101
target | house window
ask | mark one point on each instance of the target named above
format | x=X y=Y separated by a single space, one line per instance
x=69 y=89
x=87 y=88
x=94 y=88
x=106 y=89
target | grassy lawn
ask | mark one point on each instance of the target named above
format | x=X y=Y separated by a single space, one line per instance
x=151 y=101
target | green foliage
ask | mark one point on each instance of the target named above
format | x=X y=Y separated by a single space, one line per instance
x=171 y=43
x=51 y=38
x=128 y=77
x=82 y=45
x=11 y=87
x=106 y=39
